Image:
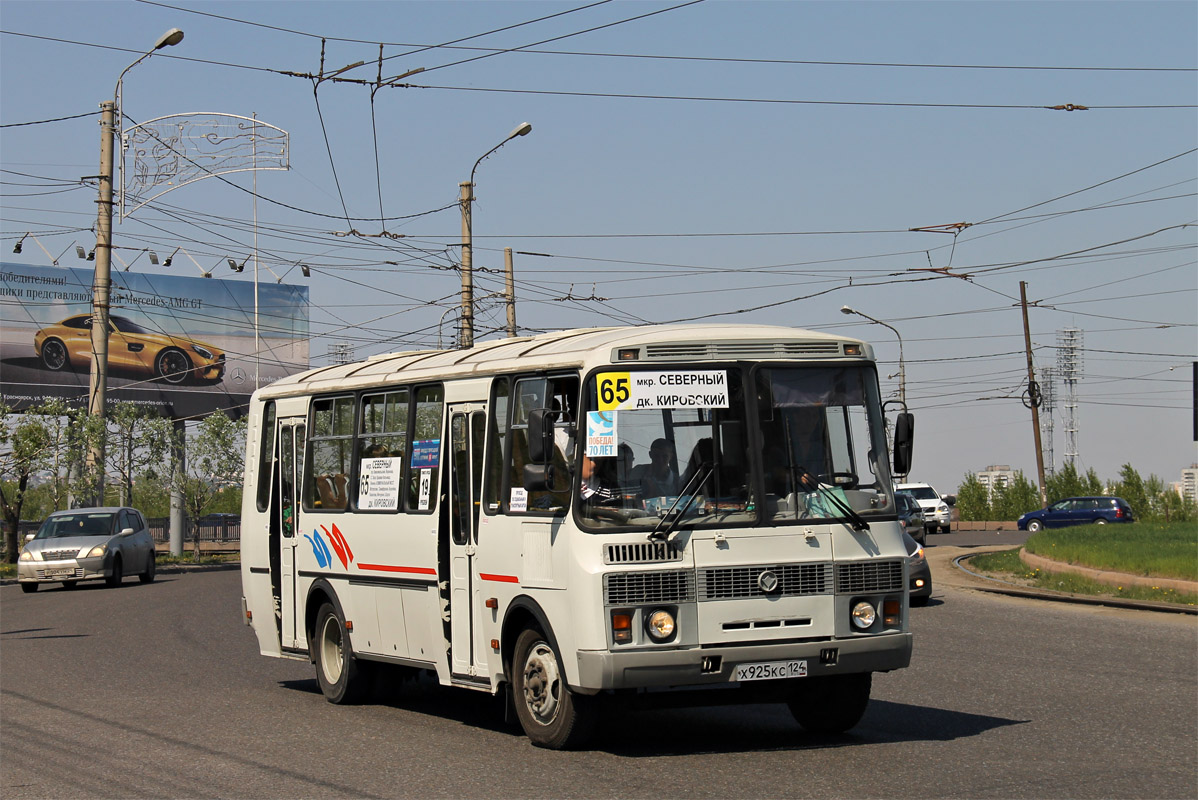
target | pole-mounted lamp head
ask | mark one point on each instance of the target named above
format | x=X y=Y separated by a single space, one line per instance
x=169 y=39
x=523 y=129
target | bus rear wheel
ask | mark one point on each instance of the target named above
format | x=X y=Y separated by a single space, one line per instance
x=833 y=704
x=343 y=679
x=551 y=715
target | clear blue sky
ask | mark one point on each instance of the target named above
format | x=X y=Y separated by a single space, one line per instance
x=691 y=163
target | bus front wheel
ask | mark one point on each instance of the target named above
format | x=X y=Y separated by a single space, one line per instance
x=551 y=715
x=342 y=677
x=832 y=704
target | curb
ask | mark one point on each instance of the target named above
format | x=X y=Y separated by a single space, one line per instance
x=1107 y=576
x=997 y=586
x=170 y=569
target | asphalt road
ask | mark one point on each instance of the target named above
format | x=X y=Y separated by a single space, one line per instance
x=158 y=691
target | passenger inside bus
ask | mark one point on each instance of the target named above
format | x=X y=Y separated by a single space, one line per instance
x=660 y=477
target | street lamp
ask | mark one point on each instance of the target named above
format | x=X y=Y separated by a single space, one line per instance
x=466 y=198
x=902 y=364
x=98 y=385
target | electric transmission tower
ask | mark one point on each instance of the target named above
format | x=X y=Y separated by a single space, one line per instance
x=1070 y=365
x=1048 y=402
x=341 y=353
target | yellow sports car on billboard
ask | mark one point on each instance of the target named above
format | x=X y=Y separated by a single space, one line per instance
x=173 y=359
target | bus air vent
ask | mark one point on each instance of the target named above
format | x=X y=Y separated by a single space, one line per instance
x=725 y=350
x=635 y=588
x=869 y=577
x=792 y=580
x=641 y=553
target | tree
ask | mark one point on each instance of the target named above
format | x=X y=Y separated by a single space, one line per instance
x=973 y=501
x=24 y=451
x=1014 y=499
x=1066 y=482
x=215 y=462
x=137 y=442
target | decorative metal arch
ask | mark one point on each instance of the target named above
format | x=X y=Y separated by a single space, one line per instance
x=179 y=149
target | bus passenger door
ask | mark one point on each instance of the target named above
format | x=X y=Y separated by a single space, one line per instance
x=467 y=425
x=287 y=508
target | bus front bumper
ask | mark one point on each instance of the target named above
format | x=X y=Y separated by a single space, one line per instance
x=599 y=670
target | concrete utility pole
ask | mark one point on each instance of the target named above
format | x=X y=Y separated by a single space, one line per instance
x=102 y=281
x=510 y=291
x=466 y=198
x=466 y=339
x=1033 y=401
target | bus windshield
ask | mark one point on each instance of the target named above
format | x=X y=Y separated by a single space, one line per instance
x=676 y=446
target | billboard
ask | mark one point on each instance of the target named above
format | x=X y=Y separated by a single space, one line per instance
x=181 y=346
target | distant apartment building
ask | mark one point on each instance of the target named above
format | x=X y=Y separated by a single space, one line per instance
x=994 y=476
x=1189 y=484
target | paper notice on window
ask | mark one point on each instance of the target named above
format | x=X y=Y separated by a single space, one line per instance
x=519 y=499
x=378 y=486
x=426 y=486
x=601 y=434
x=629 y=391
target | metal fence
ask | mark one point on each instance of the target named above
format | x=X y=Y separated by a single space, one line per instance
x=218 y=528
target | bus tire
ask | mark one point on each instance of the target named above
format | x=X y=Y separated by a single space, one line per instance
x=343 y=679
x=832 y=704
x=551 y=715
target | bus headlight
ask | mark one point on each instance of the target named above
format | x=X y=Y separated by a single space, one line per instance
x=864 y=615
x=660 y=625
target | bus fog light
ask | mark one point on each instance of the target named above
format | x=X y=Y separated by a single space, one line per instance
x=864 y=615
x=661 y=625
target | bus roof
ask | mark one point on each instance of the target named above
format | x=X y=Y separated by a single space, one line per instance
x=558 y=349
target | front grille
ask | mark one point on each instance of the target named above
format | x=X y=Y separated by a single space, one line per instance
x=59 y=555
x=727 y=350
x=869 y=577
x=641 y=553
x=634 y=588
x=794 y=580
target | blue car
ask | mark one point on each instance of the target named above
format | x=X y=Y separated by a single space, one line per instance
x=1077 y=511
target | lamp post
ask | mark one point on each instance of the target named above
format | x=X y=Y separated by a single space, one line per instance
x=98 y=383
x=465 y=199
x=902 y=364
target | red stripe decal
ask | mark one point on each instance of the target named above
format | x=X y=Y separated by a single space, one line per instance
x=499 y=578
x=393 y=568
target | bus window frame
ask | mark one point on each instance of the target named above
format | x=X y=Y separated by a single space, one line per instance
x=309 y=480
x=505 y=496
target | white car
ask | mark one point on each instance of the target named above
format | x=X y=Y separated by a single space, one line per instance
x=936 y=513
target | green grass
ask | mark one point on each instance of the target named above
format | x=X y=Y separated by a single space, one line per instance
x=1158 y=549
x=1006 y=565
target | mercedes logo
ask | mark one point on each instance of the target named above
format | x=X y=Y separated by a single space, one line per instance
x=238 y=375
x=768 y=581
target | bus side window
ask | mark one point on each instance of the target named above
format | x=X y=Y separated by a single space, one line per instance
x=327 y=476
x=383 y=435
x=425 y=453
x=266 y=455
x=497 y=415
x=560 y=394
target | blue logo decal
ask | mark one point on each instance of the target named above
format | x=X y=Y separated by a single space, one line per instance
x=321 y=550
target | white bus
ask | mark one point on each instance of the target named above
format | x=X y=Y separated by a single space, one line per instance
x=698 y=512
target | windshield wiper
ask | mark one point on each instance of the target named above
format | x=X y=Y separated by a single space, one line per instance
x=696 y=480
x=849 y=516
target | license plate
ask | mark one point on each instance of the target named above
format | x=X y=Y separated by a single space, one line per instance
x=61 y=571
x=770 y=670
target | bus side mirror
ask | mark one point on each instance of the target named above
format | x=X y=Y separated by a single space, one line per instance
x=904 y=437
x=540 y=435
x=538 y=477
